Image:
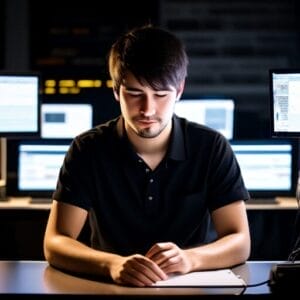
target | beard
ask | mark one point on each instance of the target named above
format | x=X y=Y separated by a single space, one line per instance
x=152 y=131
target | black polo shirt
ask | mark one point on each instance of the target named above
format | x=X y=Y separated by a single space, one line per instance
x=130 y=206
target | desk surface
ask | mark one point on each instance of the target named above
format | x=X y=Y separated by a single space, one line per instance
x=283 y=203
x=37 y=277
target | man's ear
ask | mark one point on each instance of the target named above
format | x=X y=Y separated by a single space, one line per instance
x=116 y=95
x=180 y=90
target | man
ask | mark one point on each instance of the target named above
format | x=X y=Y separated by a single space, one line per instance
x=148 y=181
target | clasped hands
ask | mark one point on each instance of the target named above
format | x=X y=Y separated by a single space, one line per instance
x=161 y=260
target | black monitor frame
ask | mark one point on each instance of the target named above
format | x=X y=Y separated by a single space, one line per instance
x=22 y=132
x=272 y=194
x=282 y=133
x=12 y=189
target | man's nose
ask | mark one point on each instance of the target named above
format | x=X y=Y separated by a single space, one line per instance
x=148 y=106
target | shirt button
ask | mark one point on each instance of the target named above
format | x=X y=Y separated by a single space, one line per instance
x=140 y=161
x=147 y=170
x=151 y=180
x=150 y=198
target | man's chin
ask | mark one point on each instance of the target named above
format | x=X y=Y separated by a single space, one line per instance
x=148 y=134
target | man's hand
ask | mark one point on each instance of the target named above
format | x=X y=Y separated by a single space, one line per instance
x=170 y=258
x=136 y=270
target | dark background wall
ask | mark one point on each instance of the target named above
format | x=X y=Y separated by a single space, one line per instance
x=231 y=45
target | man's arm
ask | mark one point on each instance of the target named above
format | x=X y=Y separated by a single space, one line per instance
x=231 y=247
x=62 y=250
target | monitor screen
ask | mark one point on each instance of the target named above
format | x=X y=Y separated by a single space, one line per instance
x=19 y=105
x=65 y=120
x=34 y=167
x=285 y=102
x=269 y=167
x=214 y=113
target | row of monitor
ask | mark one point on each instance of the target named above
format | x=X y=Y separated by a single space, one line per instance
x=269 y=167
x=20 y=104
x=22 y=114
x=66 y=120
x=33 y=165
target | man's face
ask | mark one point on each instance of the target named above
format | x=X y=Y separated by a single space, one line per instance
x=146 y=112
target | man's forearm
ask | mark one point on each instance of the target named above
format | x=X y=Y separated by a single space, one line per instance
x=222 y=253
x=69 y=254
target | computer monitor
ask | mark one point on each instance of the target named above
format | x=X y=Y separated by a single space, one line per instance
x=19 y=105
x=2 y=168
x=285 y=102
x=65 y=120
x=214 y=113
x=34 y=167
x=269 y=167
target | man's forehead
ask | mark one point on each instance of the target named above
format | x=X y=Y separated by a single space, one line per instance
x=131 y=82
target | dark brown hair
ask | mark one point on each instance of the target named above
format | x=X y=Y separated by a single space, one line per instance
x=153 y=55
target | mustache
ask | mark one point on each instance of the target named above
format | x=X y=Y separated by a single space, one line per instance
x=147 y=119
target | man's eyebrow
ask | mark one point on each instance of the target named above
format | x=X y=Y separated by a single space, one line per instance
x=135 y=89
x=130 y=88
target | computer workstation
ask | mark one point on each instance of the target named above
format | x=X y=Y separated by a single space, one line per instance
x=33 y=165
x=19 y=113
x=37 y=150
x=35 y=135
x=284 y=91
x=269 y=166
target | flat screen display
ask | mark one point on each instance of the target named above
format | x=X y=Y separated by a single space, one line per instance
x=285 y=102
x=33 y=166
x=214 y=113
x=65 y=120
x=19 y=105
x=38 y=166
x=269 y=167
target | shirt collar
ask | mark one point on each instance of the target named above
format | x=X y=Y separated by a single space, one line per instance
x=177 y=147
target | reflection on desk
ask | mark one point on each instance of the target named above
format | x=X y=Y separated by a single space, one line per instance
x=37 y=277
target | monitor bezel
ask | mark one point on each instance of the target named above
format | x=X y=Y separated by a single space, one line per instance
x=211 y=99
x=12 y=189
x=271 y=194
x=273 y=132
x=73 y=102
x=24 y=133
